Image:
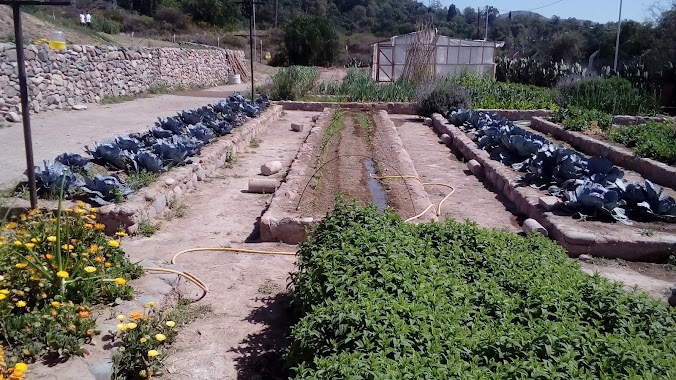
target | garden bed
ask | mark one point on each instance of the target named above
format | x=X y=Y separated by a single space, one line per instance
x=151 y=201
x=652 y=170
x=341 y=155
x=641 y=241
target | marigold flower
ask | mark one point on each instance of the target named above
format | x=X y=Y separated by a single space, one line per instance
x=18 y=243
x=107 y=265
x=92 y=210
x=171 y=323
x=131 y=325
x=93 y=217
x=35 y=240
x=80 y=204
x=121 y=234
x=120 y=281
x=153 y=353
x=54 y=313
x=143 y=373
x=21 y=367
x=90 y=269
x=2 y=296
x=80 y=211
x=11 y=225
x=21 y=303
x=93 y=248
x=49 y=256
x=35 y=277
x=88 y=226
x=136 y=315
x=68 y=247
x=4 y=291
x=30 y=245
x=160 y=337
x=56 y=304
x=90 y=332
x=113 y=243
x=2 y=243
x=68 y=210
x=98 y=259
x=83 y=313
x=62 y=274
x=143 y=340
x=121 y=318
x=100 y=226
x=151 y=303
x=21 y=265
x=122 y=327
x=51 y=239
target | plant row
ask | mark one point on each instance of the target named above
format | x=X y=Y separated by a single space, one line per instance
x=378 y=298
x=171 y=142
x=590 y=186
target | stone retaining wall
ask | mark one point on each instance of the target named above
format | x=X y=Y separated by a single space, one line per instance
x=86 y=74
x=576 y=240
x=655 y=171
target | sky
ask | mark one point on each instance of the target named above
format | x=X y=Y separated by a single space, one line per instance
x=595 y=10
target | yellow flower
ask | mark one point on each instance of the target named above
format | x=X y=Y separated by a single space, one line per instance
x=121 y=318
x=136 y=315
x=88 y=226
x=131 y=326
x=18 y=243
x=100 y=226
x=153 y=353
x=80 y=211
x=2 y=297
x=21 y=265
x=160 y=337
x=35 y=240
x=22 y=367
x=11 y=225
x=62 y=274
x=68 y=210
x=80 y=204
x=107 y=265
x=51 y=239
x=171 y=323
x=121 y=327
x=21 y=303
x=4 y=291
x=151 y=304
x=56 y=304
x=2 y=243
x=67 y=247
x=35 y=277
x=113 y=243
x=92 y=210
x=90 y=269
x=143 y=373
x=93 y=248
x=120 y=281
x=92 y=217
x=143 y=340
x=121 y=234
x=30 y=245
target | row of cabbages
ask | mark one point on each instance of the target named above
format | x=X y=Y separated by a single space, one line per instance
x=590 y=186
x=171 y=142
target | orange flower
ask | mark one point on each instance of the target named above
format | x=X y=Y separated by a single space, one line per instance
x=99 y=259
x=49 y=256
x=88 y=225
x=136 y=315
x=108 y=265
x=93 y=248
x=83 y=313
x=54 y=312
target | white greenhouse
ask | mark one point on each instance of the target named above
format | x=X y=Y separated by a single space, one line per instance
x=450 y=55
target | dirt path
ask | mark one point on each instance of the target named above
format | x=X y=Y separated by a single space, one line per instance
x=57 y=132
x=434 y=162
x=231 y=342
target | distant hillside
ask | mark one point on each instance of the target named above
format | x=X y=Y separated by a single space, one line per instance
x=523 y=15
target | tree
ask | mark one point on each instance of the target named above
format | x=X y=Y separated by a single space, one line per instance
x=567 y=46
x=311 y=41
x=452 y=12
x=215 y=12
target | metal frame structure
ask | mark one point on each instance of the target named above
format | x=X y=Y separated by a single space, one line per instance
x=451 y=55
x=23 y=86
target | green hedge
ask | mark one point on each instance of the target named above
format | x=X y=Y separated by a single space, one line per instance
x=379 y=298
x=652 y=140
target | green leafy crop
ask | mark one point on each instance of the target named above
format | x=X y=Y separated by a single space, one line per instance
x=379 y=298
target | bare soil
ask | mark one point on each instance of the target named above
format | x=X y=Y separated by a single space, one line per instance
x=435 y=163
x=244 y=335
x=340 y=169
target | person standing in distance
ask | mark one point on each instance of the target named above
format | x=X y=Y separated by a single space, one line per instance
x=88 y=19
x=82 y=19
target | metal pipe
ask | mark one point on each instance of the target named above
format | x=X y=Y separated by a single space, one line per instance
x=25 y=110
x=486 y=35
x=251 y=46
x=617 y=40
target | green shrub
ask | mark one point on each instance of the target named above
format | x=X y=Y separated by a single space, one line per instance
x=171 y=18
x=311 y=41
x=578 y=119
x=103 y=24
x=293 y=82
x=379 y=298
x=357 y=86
x=613 y=95
x=440 y=95
x=652 y=140
x=489 y=94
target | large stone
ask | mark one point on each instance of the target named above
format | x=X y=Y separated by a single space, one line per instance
x=13 y=117
x=102 y=370
x=271 y=168
x=79 y=107
x=10 y=91
x=10 y=55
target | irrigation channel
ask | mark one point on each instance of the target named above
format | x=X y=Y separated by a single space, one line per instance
x=348 y=160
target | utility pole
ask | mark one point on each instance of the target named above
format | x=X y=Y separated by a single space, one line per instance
x=23 y=88
x=276 y=10
x=253 y=15
x=478 y=22
x=617 y=40
x=486 y=35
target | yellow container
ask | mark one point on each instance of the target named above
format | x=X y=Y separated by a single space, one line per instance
x=57 y=40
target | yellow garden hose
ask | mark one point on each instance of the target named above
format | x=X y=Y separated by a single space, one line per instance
x=437 y=209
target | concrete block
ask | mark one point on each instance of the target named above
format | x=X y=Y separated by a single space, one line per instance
x=446 y=139
x=475 y=167
x=264 y=186
x=549 y=202
x=297 y=127
x=271 y=168
x=531 y=226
